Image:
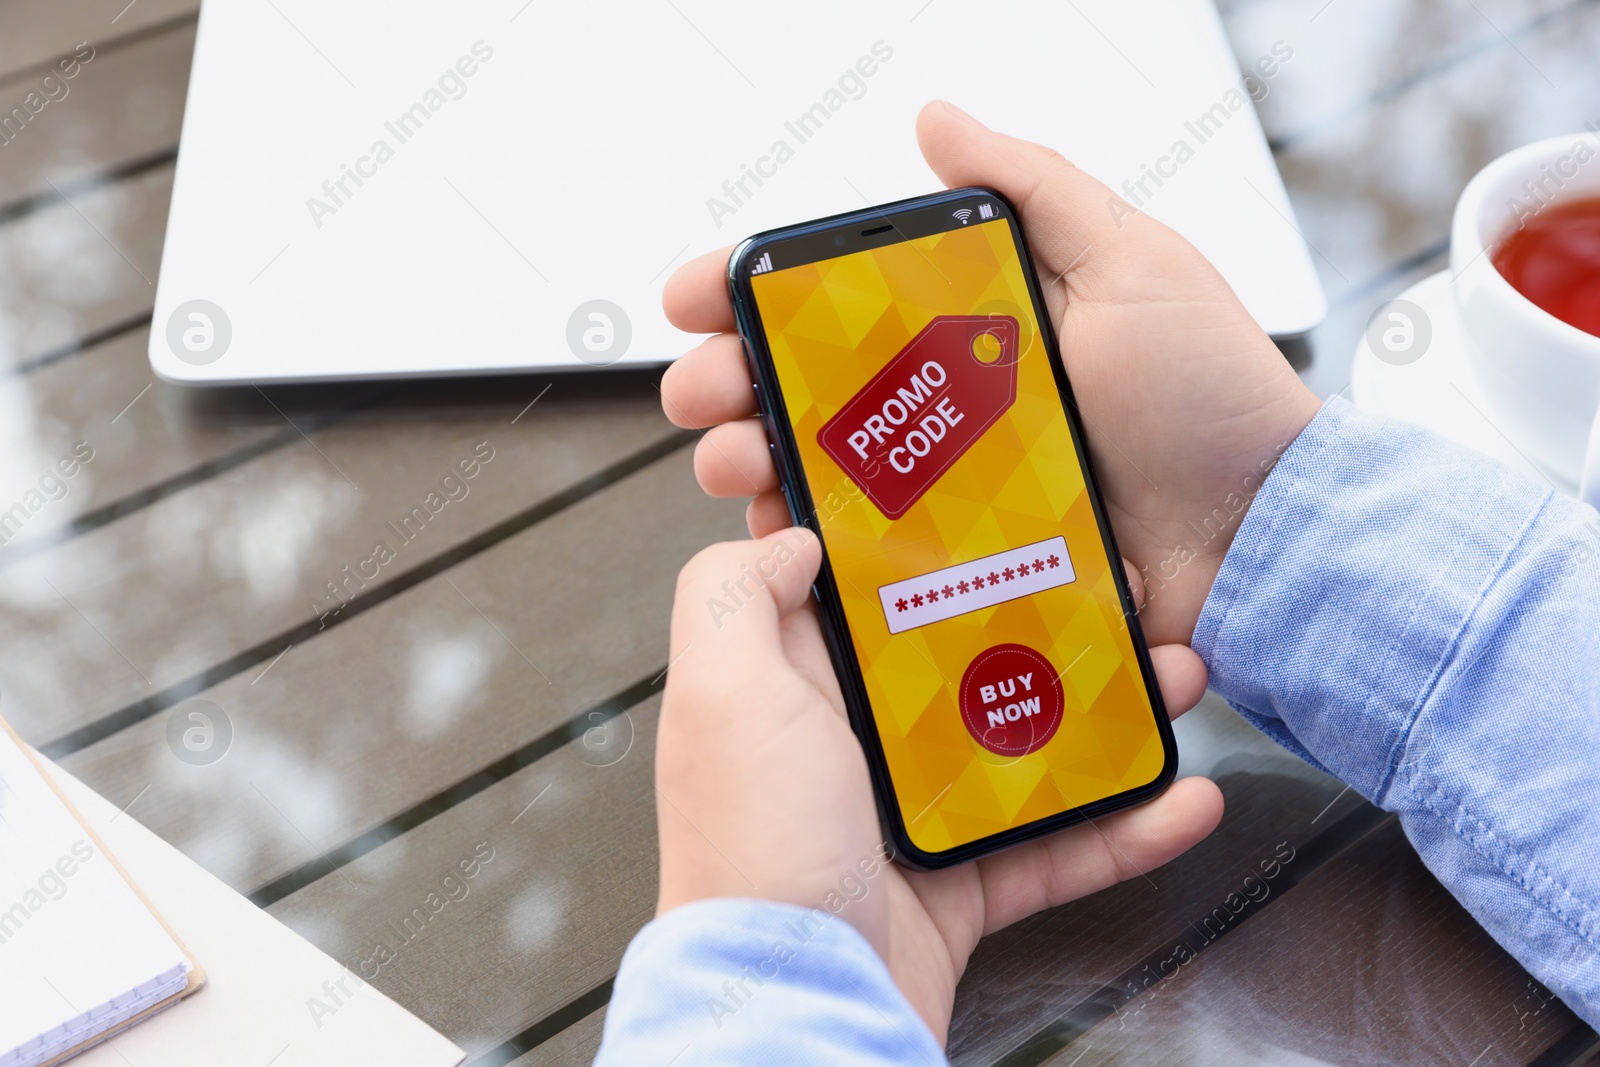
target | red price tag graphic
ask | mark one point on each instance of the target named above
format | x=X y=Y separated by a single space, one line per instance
x=928 y=405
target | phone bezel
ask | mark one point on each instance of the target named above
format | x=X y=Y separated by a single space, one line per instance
x=843 y=235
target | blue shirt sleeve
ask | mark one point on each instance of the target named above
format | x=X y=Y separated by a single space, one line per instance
x=1424 y=624
x=748 y=981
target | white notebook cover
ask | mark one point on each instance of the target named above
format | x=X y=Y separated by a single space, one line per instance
x=81 y=952
x=260 y=975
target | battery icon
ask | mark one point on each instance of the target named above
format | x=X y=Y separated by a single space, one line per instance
x=986 y=211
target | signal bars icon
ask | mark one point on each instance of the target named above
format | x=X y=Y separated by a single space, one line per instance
x=763 y=264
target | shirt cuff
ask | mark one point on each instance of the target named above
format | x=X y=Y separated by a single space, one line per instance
x=1357 y=566
x=751 y=981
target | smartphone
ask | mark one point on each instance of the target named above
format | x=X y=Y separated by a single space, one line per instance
x=971 y=595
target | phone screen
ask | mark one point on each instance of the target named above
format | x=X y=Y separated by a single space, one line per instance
x=981 y=601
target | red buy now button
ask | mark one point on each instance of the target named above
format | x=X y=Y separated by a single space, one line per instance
x=921 y=413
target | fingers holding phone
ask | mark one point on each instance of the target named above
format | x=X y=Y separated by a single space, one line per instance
x=916 y=413
x=754 y=753
x=709 y=384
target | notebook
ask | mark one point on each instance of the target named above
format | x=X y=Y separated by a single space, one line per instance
x=82 y=953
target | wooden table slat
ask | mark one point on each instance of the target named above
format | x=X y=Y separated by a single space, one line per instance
x=1372 y=963
x=1026 y=981
x=75 y=267
x=573 y=1047
x=115 y=607
x=532 y=932
x=141 y=433
x=1350 y=54
x=1379 y=185
x=37 y=32
x=422 y=691
x=123 y=105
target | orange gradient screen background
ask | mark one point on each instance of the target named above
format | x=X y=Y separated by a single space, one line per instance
x=830 y=327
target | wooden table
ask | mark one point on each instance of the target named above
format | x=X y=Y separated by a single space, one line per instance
x=385 y=729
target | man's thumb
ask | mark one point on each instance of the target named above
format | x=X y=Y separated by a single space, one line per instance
x=732 y=597
x=1067 y=212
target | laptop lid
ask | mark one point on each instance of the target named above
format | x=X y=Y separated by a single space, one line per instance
x=372 y=190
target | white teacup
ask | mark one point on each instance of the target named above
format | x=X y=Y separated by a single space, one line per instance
x=1541 y=375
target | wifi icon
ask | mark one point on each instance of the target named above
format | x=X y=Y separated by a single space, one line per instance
x=962 y=214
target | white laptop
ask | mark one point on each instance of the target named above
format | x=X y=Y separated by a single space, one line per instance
x=371 y=189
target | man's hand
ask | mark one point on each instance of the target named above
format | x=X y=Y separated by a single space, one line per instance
x=762 y=788
x=1187 y=402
